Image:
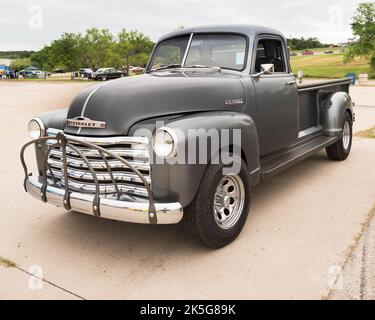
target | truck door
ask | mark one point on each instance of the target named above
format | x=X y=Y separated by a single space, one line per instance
x=276 y=96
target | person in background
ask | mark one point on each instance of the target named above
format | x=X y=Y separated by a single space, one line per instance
x=7 y=74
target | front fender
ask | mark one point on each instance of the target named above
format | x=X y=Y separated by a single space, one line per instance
x=180 y=181
x=54 y=119
x=332 y=111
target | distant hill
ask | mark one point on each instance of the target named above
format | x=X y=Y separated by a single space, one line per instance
x=15 y=54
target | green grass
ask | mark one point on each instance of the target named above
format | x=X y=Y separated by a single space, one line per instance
x=7 y=263
x=317 y=49
x=369 y=133
x=329 y=66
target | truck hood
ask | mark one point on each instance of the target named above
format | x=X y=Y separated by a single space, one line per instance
x=123 y=102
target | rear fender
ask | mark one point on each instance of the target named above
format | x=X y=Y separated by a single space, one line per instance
x=332 y=111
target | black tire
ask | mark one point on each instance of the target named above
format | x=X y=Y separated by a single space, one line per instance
x=341 y=149
x=104 y=78
x=199 y=217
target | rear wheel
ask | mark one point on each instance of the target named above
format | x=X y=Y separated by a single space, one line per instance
x=341 y=149
x=219 y=211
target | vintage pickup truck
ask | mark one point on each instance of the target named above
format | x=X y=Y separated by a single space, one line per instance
x=113 y=153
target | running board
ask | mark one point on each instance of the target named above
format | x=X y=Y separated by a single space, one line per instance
x=295 y=155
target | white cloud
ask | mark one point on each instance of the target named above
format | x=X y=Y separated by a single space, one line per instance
x=329 y=20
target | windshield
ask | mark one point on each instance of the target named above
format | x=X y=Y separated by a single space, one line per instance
x=224 y=51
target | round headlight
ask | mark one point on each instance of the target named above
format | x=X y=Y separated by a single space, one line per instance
x=165 y=143
x=36 y=128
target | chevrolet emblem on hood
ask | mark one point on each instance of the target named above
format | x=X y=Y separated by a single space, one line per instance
x=82 y=122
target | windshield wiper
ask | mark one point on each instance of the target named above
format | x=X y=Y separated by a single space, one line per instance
x=192 y=66
x=200 y=66
x=168 y=66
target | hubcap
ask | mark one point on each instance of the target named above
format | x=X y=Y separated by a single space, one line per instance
x=229 y=201
x=346 y=135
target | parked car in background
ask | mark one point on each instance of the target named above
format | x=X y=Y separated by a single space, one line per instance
x=105 y=74
x=137 y=70
x=292 y=54
x=58 y=71
x=32 y=74
x=85 y=73
x=328 y=52
x=307 y=53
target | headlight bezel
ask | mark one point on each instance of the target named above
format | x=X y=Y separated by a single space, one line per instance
x=173 y=138
x=40 y=124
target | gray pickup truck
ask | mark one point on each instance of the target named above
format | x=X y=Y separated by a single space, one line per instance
x=217 y=111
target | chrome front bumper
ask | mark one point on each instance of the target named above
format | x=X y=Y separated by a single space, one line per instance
x=129 y=211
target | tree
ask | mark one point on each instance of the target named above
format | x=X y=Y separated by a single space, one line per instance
x=97 y=48
x=133 y=48
x=43 y=59
x=363 y=27
x=65 y=52
x=19 y=64
x=302 y=43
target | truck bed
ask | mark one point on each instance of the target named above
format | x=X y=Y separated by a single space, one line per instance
x=310 y=97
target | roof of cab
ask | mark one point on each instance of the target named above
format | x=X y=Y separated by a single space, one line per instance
x=251 y=30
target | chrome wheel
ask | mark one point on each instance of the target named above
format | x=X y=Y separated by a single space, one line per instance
x=229 y=201
x=346 y=135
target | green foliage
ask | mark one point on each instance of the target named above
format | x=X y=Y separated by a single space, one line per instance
x=43 y=59
x=363 y=27
x=302 y=43
x=15 y=54
x=133 y=48
x=95 y=48
x=329 y=66
x=19 y=64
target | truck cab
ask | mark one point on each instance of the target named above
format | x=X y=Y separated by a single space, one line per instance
x=217 y=111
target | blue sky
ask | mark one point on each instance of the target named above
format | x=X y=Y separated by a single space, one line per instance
x=29 y=24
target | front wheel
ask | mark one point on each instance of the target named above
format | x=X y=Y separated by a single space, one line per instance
x=341 y=149
x=218 y=213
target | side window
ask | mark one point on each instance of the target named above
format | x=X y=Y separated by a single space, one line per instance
x=270 y=51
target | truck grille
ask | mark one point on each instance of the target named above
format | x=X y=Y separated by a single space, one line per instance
x=133 y=149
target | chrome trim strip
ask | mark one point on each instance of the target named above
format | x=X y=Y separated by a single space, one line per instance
x=87 y=101
x=97 y=164
x=106 y=188
x=187 y=50
x=102 y=176
x=103 y=141
x=132 y=153
x=41 y=126
x=129 y=211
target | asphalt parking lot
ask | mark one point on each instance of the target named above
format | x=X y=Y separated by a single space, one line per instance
x=301 y=225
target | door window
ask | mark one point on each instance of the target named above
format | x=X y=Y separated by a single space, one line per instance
x=270 y=51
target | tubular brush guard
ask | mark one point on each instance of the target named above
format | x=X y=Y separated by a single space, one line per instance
x=62 y=141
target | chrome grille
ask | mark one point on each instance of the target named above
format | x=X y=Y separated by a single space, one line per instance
x=134 y=149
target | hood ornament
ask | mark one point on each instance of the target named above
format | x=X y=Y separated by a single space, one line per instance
x=82 y=122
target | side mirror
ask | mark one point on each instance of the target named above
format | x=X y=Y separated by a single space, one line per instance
x=265 y=69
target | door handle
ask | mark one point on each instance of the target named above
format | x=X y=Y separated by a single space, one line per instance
x=290 y=83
